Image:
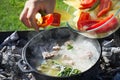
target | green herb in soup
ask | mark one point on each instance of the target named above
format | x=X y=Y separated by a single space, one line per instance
x=67 y=71
x=53 y=68
x=69 y=47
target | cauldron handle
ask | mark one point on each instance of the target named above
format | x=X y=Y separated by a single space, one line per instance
x=24 y=67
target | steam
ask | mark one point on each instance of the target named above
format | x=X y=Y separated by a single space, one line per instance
x=45 y=40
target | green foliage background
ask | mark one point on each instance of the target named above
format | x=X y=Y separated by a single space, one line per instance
x=9 y=15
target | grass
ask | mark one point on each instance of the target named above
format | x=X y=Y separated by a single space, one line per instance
x=9 y=14
x=10 y=11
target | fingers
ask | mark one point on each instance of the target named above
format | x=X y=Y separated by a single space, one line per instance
x=24 y=19
x=49 y=8
x=27 y=16
x=31 y=17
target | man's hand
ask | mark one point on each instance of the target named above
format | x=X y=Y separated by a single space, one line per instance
x=32 y=7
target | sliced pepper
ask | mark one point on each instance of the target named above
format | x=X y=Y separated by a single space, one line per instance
x=47 y=20
x=84 y=16
x=100 y=23
x=83 y=25
x=87 y=3
x=106 y=27
x=56 y=19
x=95 y=5
x=85 y=21
x=104 y=7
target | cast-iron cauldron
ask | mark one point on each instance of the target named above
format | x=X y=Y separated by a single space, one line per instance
x=32 y=54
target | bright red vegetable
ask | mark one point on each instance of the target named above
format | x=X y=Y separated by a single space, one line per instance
x=83 y=25
x=47 y=20
x=100 y=23
x=85 y=21
x=84 y=16
x=50 y=19
x=87 y=3
x=109 y=26
x=104 y=7
x=56 y=19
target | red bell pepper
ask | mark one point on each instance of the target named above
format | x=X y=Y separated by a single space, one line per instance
x=83 y=25
x=104 y=7
x=50 y=19
x=85 y=21
x=47 y=20
x=107 y=27
x=84 y=16
x=100 y=23
x=87 y=3
x=56 y=19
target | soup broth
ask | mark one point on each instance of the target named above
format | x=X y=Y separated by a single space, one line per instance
x=73 y=57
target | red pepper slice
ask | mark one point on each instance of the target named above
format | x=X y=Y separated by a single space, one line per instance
x=56 y=19
x=100 y=23
x=83 y=25
x=47 y=20
x=104 y=7
x=85 y=21
x=51 y=19
x=84 y=16
x=109 y=26
x=87 y=3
